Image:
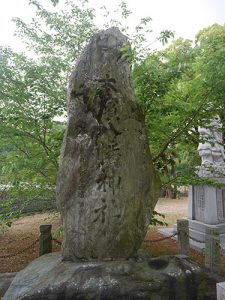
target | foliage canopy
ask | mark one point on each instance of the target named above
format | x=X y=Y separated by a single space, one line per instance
x=178 y=89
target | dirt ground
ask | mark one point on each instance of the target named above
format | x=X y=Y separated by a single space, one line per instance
x=25 y=231
x=20 y=235
x=173 y=209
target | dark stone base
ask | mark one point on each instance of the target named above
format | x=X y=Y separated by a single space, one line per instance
x=5 y=281
x=162 y=278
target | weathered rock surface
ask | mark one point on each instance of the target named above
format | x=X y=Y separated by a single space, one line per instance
x=5 y=281
x=106 y=188
x=163 y=278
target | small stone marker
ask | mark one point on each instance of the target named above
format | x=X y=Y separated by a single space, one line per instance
x=220 y=290
x=45 y=244
x=212 y=249
x=183 y=236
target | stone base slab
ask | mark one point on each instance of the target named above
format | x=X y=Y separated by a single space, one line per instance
x=200 y=226
x=220 y=290
x=164 y=278
x=197 y=231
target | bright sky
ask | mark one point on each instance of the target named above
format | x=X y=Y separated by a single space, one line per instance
x=185 y=17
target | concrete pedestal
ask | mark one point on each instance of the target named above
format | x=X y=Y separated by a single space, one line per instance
x=220 y=290
x=206 y=208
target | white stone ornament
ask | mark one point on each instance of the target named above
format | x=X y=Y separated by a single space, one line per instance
x=211 y=150
x=206 y=204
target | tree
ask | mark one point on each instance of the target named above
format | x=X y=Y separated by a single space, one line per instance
x=179 y=90
x=210 y=67
x=33 y=94
x=33 y=97
x=28 y=132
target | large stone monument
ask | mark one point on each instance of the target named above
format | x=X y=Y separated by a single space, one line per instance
x=207 y=203
x=106 y=187
x=106 y=191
